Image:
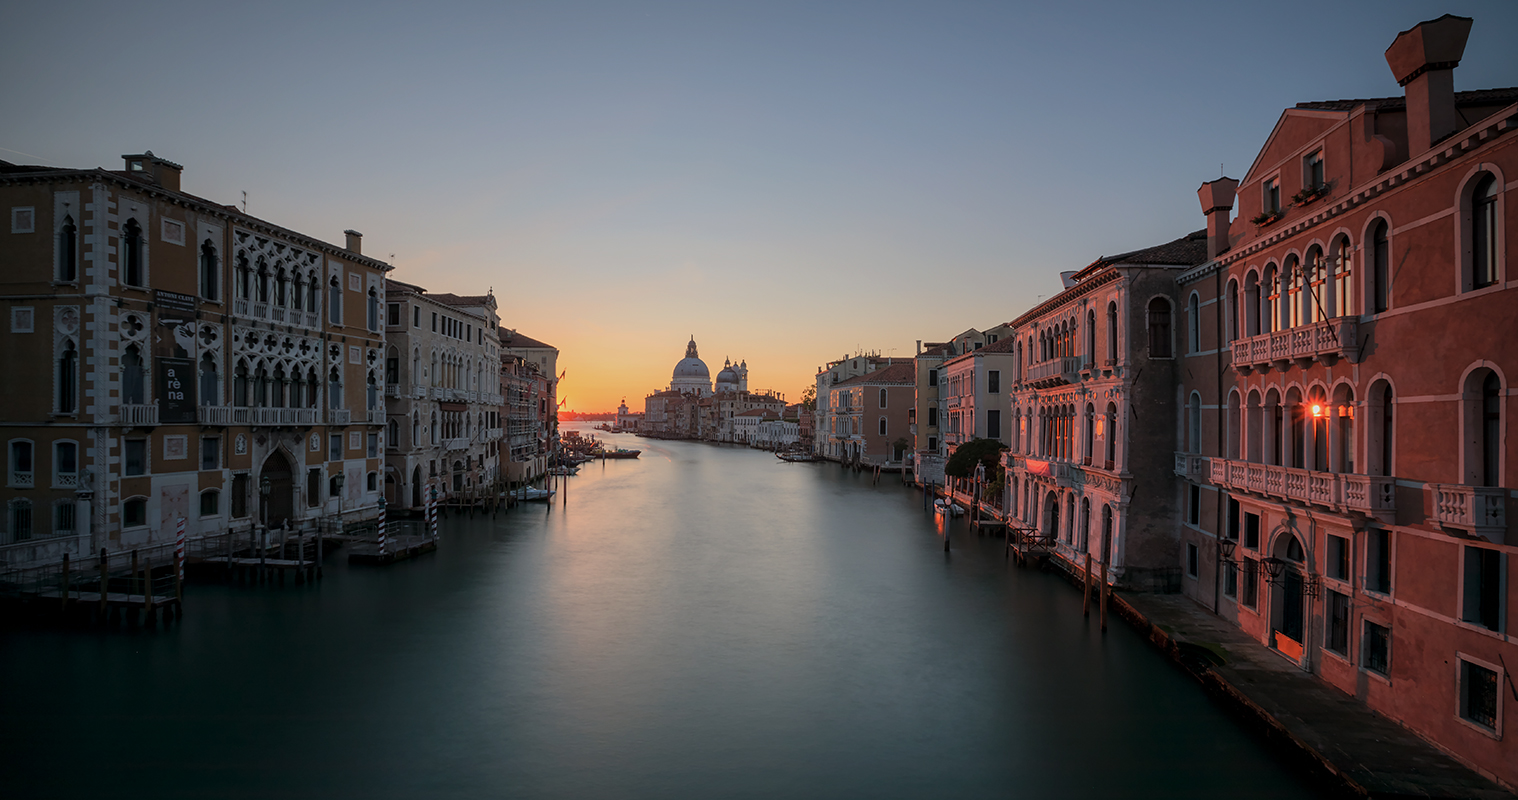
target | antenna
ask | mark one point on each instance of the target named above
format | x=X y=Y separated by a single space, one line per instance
x=245 y=201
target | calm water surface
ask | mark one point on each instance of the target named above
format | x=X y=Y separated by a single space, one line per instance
x=702 y=622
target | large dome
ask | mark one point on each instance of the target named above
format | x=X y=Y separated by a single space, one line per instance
x=692 y=368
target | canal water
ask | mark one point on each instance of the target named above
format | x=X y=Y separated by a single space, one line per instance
x=705 y=621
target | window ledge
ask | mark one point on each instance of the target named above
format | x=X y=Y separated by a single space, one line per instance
x=1481 y=729
x=1367 y=671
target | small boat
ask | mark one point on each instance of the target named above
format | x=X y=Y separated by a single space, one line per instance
x=952 y=509
x=621 y=452
x=563 y=470
x=795 y=458
x=532 y=493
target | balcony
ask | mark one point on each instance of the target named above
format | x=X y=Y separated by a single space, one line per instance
x=493 y=434
x=339 y=416
x=261 y=310
x=313 y=319
x=277 y=314
x=284 y=417
x=459 y=443
x=376 y=416
x=214 y=415
x=1476 y=510
x=1325 y=341
x=141 y=415
x=23 y=479
x=1189 y=466
x=392 y=391
x=1055 y=371
x=241 y=307
x=1346 y=492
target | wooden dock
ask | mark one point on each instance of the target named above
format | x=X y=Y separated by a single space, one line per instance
x=397 y=548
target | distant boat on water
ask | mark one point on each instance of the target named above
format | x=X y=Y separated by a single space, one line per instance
x=621 y=452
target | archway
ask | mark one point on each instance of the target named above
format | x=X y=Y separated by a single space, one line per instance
x=1051 y=516
x=1287 y=607
x=279 y=506
x=416 y=486
x=392 y=490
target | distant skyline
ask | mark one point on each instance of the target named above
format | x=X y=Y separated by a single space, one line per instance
x=789 y=182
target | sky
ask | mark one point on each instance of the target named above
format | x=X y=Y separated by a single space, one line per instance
x=788 y=183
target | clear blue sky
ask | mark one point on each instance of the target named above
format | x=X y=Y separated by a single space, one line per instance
x=787 y=182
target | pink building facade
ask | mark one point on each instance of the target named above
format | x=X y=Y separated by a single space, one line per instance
x=1344 y=469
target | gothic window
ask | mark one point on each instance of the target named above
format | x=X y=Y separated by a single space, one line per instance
x=334 y=388
x=1159 y=328
x=334 y=302
x=68 y=251
x=261 y=282
x=1380 y=268
x=1485 y=233
x=240 y=385
x=131 y=253
x=244 y=283
x=1194 y=324
x=131 y=377
x=209 y=271
x=1112 y=332
x=1342 y=264
x=1270 y=296
x=68 y=378
x=210 y=382
x=374 y=311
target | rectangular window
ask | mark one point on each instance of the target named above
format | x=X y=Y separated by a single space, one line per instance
x=1272 y=196
x=416 y=316
x=1478 y=695
x=1231 y=580
x=933 y=416
x=1376 y=652
x=434 y=322
x=136 y=459
x=134 y=513
x=22 y=474
x=932 y=442
x=993 y=423
x=374 y=445
x=1337 y=565
x=1482 y=603
x=63 y=517
x=1312 y=170
x=1250 y=593
x=1252 y=531
x=1336 y=638
x=1193 y=504
x=882 y=426
x=1191 y=559
x=932 y=377
x=393 y=314
x=240 y=495
x=335 y=447
x=1378 y=569
x=65 y=463
x=210 y=452
x=1235 y=516
x=993 y=381
x=313 y=487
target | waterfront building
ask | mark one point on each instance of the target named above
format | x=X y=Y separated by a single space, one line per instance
x=746 y=424
x=530 y=404
x=1343 y=463
x=924 y=424
x=692 y=409
x=444 y=401
x=629 y=421
x=1092 y=404
x=825 y=444
x=869 y=424
x=190 y=361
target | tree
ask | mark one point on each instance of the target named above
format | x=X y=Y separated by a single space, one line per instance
x=809 y=398
x=979 y=451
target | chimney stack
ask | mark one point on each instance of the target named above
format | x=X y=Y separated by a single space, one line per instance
x=161 y=171
x=355 y=242
x=1423 y=60
x=1217 y=201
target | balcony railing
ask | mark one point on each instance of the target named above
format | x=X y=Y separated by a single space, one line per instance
x=139 y=414
x=277 y=314
x=392 y=391
x=1327 y=340
x=1368 y=494
x=376 y=416
x=459 y=443
x=281 y=416
x=339 y=416
x=214 y=415
x=1188 y=466
x=261 y=310
x=1481 y=510
x=313 y=319
x=1055 y=371
x=493 y=434
x=23 y=479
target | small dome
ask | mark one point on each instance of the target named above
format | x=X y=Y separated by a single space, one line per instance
x=727 y=375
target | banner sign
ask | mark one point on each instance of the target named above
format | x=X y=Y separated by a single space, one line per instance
x=176 y=390
x=173 y=303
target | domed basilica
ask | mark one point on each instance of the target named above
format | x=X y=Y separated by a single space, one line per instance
x=692 y=377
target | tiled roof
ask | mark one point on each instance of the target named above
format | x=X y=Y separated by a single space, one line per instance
x=896 y=373
x=514 y=339
x=392 y=285
x=1478 y=97
x=1189 y=250
x=1003 y=345
x=937 y=349
x=757 y=412
x=450 y=299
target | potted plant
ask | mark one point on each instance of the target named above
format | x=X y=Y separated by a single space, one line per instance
x=1309 y=194
x=1265 y=218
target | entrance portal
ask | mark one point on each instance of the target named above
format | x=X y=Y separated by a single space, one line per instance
x=279 y=506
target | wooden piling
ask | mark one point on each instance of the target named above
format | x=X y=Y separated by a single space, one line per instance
x=65 y=583
x=147 y=594
x=105 y=584
x=1086 y=589
x=1104 y=590
x=133 y=583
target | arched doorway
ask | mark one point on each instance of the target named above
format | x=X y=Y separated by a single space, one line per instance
x=1051 y=516
x=458 y=476
x=1287 y=606
x=279 y=506
x=392 y=491
x=416 y=486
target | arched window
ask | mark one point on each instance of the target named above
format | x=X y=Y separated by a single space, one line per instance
x=277 y=389
x=1341 y=260
x=1194 y=324
x=311 y=290
x=1091 y=336
x=1295 y=279
x=1231 y=311
x=209 y=271
x=1252 y=305
x=882 y=398
x=416 y=429
x=1194 y=424
x=68 y=251
x=297 y=390
x=210 y=381
x=394 y=431
x=1485 y=230
x=1112 y=332
x=298 y=293
x=334 y=388
x=1318 y=412
x=261 y=282
x=240 y=385
x=261 y=386
x=371 y=393
x=1159 y=328
x=1380 y=268
x=1234 y=420
x=281 y=288
x=432 y=430
x=373 y=316
x=1481 y=402
x=1254 y=429
x=1110 y=434
x=1343 y=421
x=68 y=378
x=1270 y=291
x=1316 y=273
x=1088 y=451
x=131 y=377
x=334 y=301
x=131 y=253
x=243 y=286
x=1380 y=429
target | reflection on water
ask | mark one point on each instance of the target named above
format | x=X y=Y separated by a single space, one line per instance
x=703 y=621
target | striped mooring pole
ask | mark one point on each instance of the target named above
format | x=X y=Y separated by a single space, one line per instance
x=382 y=528
x=432 y=512
x=179 y=548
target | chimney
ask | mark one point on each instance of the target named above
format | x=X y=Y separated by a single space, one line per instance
x=1217 y=200
x=157 y=170
x=1423 y=60
x=355 y=242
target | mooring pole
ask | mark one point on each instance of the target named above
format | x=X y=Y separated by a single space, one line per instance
x=1104 y=590
x=105 y=585
x=1086 y=589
